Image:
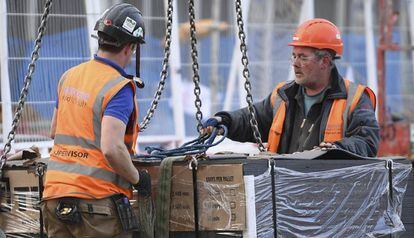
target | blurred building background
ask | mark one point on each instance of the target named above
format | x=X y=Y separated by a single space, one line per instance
x=269 y=25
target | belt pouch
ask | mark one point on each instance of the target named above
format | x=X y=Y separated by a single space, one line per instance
x=67 y=210
x=125 y=213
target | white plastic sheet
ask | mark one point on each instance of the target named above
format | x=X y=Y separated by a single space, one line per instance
x=347 y=202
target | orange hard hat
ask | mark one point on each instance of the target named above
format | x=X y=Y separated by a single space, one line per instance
x=318 y=33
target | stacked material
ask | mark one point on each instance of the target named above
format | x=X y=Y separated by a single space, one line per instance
x=325 y=197
x=19 y=199
x=260 y=196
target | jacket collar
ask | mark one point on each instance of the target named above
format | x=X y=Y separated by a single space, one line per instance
x=336 y=88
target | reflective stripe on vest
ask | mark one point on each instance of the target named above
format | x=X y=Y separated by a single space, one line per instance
x=337 y=120
x=98 y=173
x=279 y=110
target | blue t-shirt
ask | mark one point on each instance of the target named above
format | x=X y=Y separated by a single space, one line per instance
x=121 y=104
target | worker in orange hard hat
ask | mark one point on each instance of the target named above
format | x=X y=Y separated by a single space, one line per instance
x=319 y=109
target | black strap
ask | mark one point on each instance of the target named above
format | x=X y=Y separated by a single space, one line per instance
x=274 y=217
x=138 y=61
x=137 y=78
x=40 y=178
x=390 y=188
x=195 y=199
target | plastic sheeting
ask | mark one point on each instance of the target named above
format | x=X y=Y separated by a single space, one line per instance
x=348 y=202
x=19 y=202
x=264 y=205
x=23 y=215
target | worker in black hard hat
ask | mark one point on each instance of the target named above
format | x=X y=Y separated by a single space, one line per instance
x=90 y=174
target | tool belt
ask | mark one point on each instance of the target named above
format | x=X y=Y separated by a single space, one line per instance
x=67 y=211
x=125 y=213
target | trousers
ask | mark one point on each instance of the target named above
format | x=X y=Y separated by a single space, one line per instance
x=99 y=219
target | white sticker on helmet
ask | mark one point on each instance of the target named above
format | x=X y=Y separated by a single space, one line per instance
x=129 y=24
x=139 y=32
x=338 y=36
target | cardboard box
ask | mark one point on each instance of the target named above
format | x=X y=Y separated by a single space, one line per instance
x=182 y=200
x=222 y=204
x=221 y=197
x=19 y=197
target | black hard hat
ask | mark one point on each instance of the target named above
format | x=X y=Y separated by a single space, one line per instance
x=123 y=22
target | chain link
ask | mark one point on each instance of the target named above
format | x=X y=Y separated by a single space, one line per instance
x=164 y=70
x=195 y=67
x=246 y=75
x=26 y=84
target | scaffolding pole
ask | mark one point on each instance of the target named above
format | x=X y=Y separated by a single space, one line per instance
x=268 y=80
x=411 y=20
x=307 y=12
x=93 y=9
x=370 y=48
x=387 y=20
x=215 y=44
x=235 y=68
x=176 y=83
x=6 y=103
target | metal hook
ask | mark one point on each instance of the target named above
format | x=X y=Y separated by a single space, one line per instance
x=193 y=163
x=389 y=164
x=270 y=163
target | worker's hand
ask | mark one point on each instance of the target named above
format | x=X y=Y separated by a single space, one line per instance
x=327 y=146
x=209 y=125
x=144 y=184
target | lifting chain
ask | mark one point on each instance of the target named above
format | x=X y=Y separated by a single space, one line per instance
x=246 y=75
x=195 y=67
x=26 y=84
x=164 y=70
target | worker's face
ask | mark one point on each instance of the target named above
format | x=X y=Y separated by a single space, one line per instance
x=306 y=65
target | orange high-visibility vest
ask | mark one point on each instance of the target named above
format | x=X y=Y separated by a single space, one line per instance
x=77 y=167
x=338 y=115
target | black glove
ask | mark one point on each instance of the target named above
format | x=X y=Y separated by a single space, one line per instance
x=144 y=184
